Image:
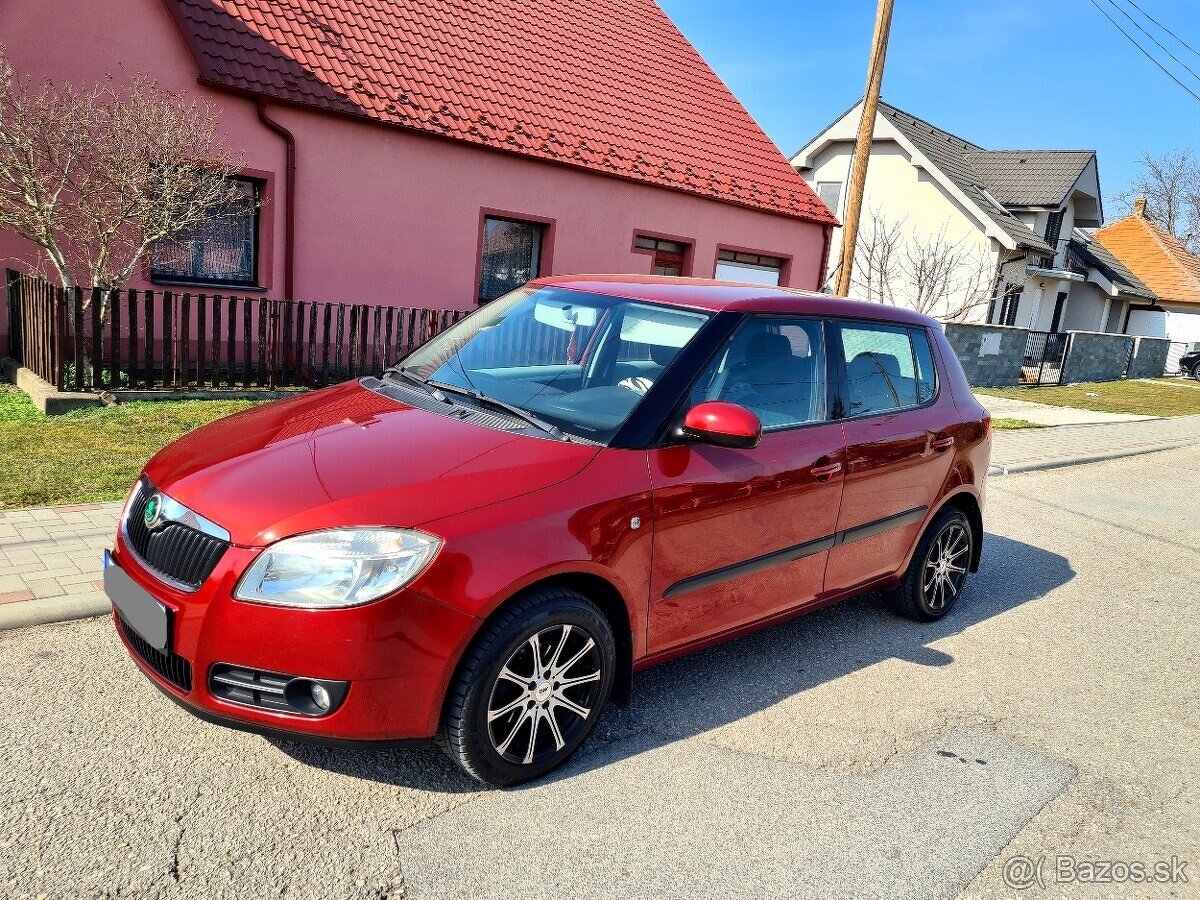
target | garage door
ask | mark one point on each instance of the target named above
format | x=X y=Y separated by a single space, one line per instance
x=754 y=268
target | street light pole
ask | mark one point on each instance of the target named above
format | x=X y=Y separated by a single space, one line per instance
x=862 y=146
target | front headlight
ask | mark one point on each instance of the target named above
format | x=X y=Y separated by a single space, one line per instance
x=337 y=568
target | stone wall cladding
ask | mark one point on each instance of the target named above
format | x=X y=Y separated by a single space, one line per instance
x=1092 y=356
x=1149 y=358
x=1001 y=369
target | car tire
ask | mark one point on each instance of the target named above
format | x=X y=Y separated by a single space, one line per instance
x=509 y=719
x=1196 y=372
x=937 y=574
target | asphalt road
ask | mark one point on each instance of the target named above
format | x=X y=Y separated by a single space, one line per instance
x=846 y=754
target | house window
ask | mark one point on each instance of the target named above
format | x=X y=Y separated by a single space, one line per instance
x=512 y=255
x=733 y=265
x=830 y=193
x=669 y=256
x=1008 y=311
x=222 y=251
x=1053 y=230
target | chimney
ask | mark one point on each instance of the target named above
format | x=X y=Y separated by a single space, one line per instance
x=1139 y=207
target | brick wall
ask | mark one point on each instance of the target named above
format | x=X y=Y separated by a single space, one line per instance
x=990 y=354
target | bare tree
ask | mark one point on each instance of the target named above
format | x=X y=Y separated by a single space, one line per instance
x=1170 y=182
x=927 y=272
x=96 y=176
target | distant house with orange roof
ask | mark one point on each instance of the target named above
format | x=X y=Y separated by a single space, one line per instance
x=1160 y=261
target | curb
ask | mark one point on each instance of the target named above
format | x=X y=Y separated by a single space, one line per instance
x=25 y=613
x=1064 y=461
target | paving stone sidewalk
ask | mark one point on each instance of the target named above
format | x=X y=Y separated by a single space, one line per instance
x=55 y=552
x=1037 y=448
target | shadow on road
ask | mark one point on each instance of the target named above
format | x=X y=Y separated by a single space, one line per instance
x=723 y=684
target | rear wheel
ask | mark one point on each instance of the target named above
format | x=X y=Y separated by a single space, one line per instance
x=531 y=688
x=937 y=574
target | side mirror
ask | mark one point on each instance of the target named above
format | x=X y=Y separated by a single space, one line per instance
x=723 y=425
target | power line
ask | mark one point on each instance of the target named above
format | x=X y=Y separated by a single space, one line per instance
x=1144 y=51
x=1139 y=27
x=1163 y=27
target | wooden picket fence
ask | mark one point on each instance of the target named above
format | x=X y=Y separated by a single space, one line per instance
x=188 y=340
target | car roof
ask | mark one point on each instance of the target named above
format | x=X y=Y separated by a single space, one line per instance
x=730 y=296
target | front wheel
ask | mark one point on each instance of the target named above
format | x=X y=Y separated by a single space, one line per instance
x=530 y=688
x=937 y=574
x=1196 y=372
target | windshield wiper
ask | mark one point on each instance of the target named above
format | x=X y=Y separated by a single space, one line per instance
x=485 y=400
x=417 y=379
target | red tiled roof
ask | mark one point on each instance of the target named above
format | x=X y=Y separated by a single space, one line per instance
x=606 y=85
x=1155 y=256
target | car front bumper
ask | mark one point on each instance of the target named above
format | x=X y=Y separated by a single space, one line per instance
x=395 y=655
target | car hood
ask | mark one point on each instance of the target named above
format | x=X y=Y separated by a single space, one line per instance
x=347 y=456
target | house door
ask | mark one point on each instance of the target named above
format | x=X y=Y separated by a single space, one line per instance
x=1060 y=306
x=741 y=535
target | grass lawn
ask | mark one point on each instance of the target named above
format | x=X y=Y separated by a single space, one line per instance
x=1013 y=424
x=90 y=454
x=1158 y=397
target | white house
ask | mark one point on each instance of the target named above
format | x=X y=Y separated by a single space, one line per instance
x=1010 y=220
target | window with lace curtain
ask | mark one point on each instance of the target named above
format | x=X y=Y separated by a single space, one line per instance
x=222 y=251
x=512 y=255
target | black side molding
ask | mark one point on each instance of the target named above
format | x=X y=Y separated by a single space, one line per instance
x=799 y=551
x=750 y=566
x=899 y=520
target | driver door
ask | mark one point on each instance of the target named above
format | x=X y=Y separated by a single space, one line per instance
x=744 y=535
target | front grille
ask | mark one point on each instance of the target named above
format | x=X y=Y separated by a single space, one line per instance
x=249 y=686
x=175 y=551
x=171 y=666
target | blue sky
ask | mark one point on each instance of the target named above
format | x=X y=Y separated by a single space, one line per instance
x=1006 y=74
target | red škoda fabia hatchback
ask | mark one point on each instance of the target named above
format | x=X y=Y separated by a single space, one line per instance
x=583 y=478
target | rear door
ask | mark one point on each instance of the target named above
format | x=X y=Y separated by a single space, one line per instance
x=898 y=453
x=741 y=535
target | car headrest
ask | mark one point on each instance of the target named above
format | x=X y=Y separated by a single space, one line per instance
x=867 y=363
x=766 y=347
x=661 y=355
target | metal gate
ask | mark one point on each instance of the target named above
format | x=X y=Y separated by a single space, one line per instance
x=1045 y=352
x=1174 y=353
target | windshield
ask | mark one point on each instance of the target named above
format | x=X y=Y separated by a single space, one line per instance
x=580 y=362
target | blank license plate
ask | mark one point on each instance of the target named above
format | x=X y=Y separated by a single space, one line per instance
x=144 y=614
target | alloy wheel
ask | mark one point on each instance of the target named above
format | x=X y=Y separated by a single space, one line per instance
x=945 y=570
x=544 y=694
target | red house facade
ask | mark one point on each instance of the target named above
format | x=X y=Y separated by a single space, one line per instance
x=440 y=152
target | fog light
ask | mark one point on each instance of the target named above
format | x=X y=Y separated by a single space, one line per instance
x=321 y=696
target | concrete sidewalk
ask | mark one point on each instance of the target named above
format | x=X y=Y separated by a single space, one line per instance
x=1047 y=448
x=51 y=562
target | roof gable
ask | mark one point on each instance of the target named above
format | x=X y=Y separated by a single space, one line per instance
x=953 y=157
x=1155 y=256
x=611 y=86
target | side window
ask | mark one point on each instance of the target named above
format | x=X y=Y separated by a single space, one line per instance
x=774 y=367
x=881 y=371
x=926 y=373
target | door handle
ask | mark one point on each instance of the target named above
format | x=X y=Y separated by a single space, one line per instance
x=940 y=444
x=823 y=472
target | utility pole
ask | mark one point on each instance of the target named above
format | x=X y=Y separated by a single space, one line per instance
x=862 y=146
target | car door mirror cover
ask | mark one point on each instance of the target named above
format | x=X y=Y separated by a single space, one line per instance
x=723 y=424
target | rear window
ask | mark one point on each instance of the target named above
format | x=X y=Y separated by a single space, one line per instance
x=888 y=368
